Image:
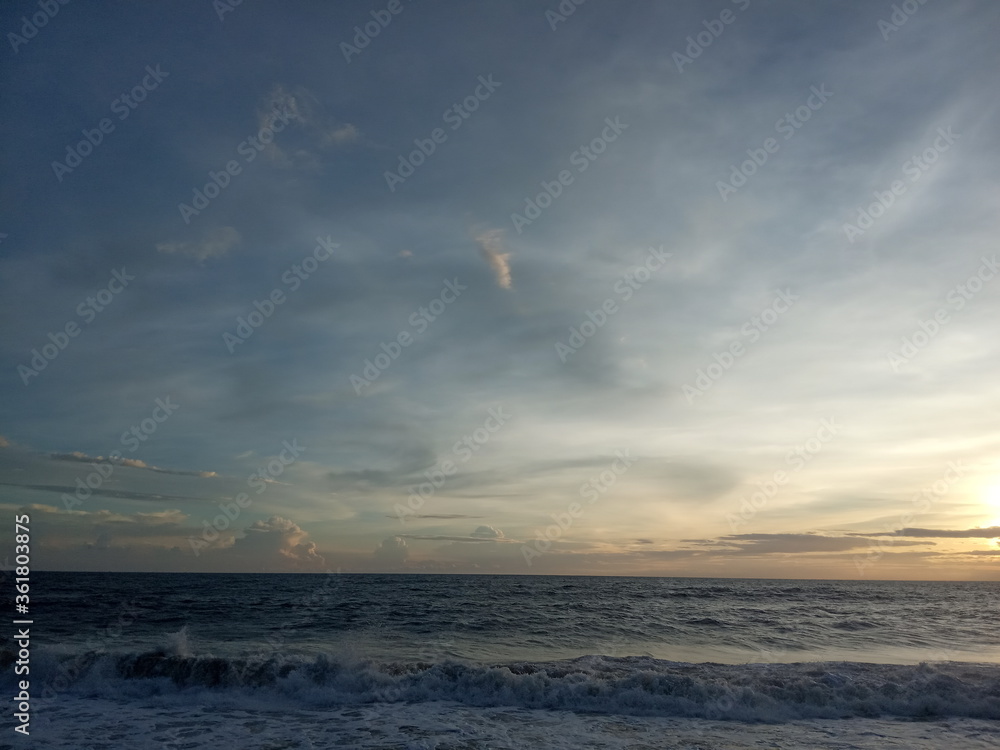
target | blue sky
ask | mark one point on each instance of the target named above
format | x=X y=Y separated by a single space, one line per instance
x=662 y=289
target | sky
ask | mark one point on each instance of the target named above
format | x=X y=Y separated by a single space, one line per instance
x=629 y=288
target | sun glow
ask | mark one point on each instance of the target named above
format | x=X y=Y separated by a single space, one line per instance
x=991 y=499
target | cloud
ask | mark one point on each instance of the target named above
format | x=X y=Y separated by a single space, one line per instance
x=215 y=243
x=103 y=492
x=392 y=551
x=133 y=463
x=991 y=532
x=441 y=516
x=159 y=540
x=154 y=518
x=446 y=538
x=491 y=248
x=481 y=534
x=768 y=544
x=338 y=136
x=278 y=539
x=487 y=532
x=320 y=131
x=85 y=529
x=279 y=103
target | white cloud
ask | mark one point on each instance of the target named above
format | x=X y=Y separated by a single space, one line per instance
x=215 y=243
x=278 y=541
x=346 y=133
x=491 y=247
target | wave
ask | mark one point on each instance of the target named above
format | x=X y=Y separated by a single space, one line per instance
x=638 y=686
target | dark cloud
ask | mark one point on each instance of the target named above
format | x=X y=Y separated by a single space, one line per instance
x=440 y=516
x=769 y=544
x=991 y=532
x=104 y=492
x=481 y=534
x=129 y=462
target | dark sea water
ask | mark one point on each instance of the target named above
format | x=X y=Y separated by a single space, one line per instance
x=365 y=651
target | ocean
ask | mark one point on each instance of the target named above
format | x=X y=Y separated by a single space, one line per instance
x=184 y=661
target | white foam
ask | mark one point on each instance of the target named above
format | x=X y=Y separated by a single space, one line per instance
x=630 y=686
x=80 y=723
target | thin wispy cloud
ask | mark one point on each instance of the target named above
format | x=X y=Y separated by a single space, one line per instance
x=492 y=250
x=215 y=243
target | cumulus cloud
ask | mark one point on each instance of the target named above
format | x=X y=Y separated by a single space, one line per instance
x=215 y=243
x=392 y=551
x=487 y=532
x=279 y=539
x=491 y=248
